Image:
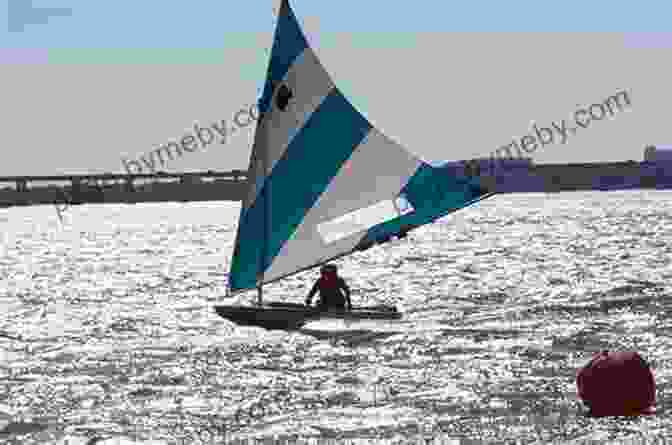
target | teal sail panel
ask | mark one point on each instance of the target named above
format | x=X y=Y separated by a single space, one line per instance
x=432 y=192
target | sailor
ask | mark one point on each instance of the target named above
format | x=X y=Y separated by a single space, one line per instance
x=334 y=292
x=617 y=384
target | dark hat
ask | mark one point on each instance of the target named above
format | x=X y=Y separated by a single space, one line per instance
x=329 y=268
x=617 y=384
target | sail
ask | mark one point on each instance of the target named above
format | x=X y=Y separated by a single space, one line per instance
x=322 y=181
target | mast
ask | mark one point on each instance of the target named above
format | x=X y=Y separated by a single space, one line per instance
x=264 y=250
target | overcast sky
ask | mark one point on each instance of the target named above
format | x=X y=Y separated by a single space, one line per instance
x=449 y=80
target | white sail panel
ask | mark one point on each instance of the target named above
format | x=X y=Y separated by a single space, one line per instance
x=309 y=84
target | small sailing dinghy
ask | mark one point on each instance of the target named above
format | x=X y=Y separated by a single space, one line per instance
x=324 y=183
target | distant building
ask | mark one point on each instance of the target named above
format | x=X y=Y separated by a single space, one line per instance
x=658 y=153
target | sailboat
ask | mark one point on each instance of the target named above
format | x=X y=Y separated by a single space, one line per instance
x=324 y=183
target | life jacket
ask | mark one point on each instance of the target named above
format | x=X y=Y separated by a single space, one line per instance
x=328 y=281
x=330 y=291
x=617 y=384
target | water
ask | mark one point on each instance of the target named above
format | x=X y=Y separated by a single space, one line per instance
x=114 y=335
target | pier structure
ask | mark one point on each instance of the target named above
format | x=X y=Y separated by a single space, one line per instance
x=122 y=188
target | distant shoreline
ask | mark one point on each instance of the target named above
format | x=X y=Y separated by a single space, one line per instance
x=512 y=177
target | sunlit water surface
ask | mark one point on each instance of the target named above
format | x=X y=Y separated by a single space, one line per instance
x=110 y=334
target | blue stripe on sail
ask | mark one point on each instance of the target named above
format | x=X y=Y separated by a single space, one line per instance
x=289 y=43
x=434 y=192
x=300 y=176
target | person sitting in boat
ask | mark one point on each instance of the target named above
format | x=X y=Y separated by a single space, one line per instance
x=334 y=292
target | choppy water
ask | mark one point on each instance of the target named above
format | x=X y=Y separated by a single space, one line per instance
x=503 y=302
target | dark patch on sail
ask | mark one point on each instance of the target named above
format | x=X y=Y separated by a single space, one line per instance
x=283 y=97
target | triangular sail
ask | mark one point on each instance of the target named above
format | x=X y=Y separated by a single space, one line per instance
x=322 y=181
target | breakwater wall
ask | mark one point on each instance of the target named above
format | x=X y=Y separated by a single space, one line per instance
x=522 y=176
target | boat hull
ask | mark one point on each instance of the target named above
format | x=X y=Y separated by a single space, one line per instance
x=287 y=316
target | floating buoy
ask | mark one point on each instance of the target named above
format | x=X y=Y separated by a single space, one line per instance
x=617 y=384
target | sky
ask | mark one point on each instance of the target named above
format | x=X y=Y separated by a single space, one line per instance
x=85 y=85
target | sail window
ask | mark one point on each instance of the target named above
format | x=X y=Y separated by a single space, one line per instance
x=362 y=219
x=403 y=205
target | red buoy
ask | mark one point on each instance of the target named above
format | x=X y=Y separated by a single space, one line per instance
x=617 y=384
